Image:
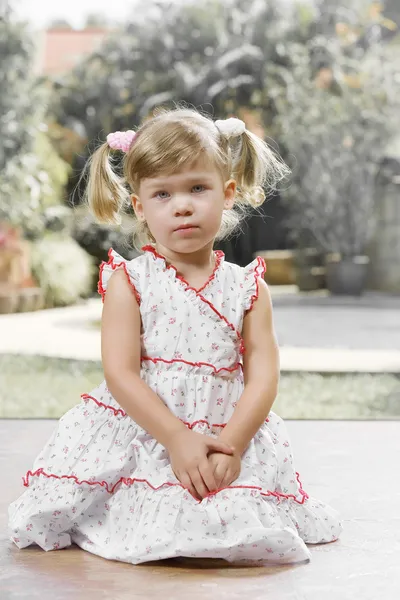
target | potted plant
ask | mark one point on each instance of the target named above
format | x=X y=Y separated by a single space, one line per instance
x=335 y=130
x=336 y=205
x=309 y=266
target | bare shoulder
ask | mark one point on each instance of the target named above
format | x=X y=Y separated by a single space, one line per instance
x=259 y=338
x=119 y=289
x=261 y=309
x=120 y=325
x=263 y=292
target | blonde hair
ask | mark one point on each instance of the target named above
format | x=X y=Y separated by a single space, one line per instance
x=163 y=145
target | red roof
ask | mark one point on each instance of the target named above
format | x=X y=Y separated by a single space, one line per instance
x=62 y=49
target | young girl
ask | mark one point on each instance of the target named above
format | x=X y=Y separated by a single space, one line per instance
x=176 y=453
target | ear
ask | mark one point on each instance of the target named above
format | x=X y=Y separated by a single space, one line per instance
x=229 y=192
x=137 y=207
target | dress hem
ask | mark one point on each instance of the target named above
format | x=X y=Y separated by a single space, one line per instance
x=130 y=481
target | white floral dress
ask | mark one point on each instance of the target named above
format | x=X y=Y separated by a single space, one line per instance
x=103 y=483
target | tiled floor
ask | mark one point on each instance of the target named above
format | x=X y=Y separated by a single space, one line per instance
x=351 y=465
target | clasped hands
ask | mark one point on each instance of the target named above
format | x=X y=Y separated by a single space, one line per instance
x=203 y=464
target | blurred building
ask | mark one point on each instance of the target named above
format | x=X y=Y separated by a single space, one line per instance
x=60 y=49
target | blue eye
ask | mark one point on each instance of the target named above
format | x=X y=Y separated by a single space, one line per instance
x=196 y=189
x=162 y=195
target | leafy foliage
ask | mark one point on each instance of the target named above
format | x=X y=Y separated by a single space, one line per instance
x=337 y=130
x=212 y=53
x=63 y=270
x=315 y=74
x=32 y=176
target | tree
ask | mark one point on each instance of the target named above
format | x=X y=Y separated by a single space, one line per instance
x=26 y=184
x=224 y=56
x=97 y=20
x=17 y=113
x=210 y=55
x=337 y=130
x=60 y=24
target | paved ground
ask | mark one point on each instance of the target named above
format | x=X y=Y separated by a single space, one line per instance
x=349 y=465
x=316 y=332
x=370 y=322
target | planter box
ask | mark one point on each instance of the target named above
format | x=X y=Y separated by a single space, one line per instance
x=30 y=299
x=280 y=267
x=7 y=262
x=9 y=298
x=14 y=264
x=14 y=299
x=310 y=272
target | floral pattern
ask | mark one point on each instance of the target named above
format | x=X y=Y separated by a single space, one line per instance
x=103 y=483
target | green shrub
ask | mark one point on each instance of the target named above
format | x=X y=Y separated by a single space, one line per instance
x=32 y=175
x=62 y=269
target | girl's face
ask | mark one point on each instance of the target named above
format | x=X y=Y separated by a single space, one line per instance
x=184 y=210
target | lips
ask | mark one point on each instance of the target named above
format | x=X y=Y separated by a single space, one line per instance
x=187 y=226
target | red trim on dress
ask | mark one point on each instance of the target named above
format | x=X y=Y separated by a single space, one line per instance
x=219 y=255
x=193 y=364
x=116 y=411
x=131 y=481
x=191 y=425
x=230 y=325
x=119 y=411
x=260 y=264
x=115 y=266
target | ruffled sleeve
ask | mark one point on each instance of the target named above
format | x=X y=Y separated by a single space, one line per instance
x=252 y=274
x=115 y=262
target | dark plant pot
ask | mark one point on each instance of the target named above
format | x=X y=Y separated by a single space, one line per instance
x=309 y=269
x=346 y=276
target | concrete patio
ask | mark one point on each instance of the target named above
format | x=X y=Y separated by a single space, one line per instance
x=350 y=465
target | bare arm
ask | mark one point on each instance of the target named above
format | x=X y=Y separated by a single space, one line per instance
x=261 y=374
x=120 y=349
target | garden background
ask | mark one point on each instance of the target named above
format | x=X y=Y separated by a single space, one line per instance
x=319 y=80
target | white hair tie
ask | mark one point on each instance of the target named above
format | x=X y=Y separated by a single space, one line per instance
x=231 y=127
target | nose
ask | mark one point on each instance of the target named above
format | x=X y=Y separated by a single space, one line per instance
x=183 y=205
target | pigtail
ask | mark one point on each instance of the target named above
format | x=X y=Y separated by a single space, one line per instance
x=106 y=193
x=257 y=169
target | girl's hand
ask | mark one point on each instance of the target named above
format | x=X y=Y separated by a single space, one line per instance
x=226 y=469
x=188 y=452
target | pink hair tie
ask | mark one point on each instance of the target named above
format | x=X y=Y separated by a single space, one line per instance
x=121 y=140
